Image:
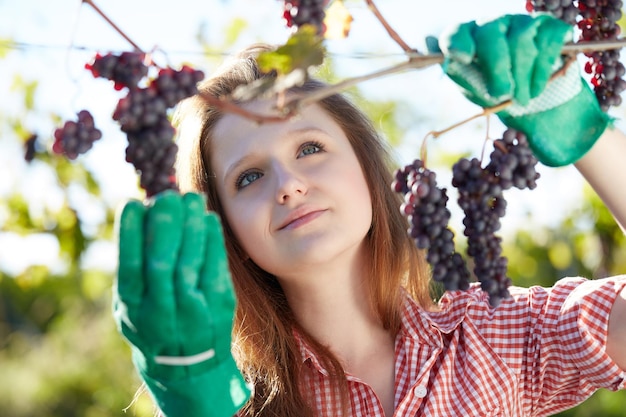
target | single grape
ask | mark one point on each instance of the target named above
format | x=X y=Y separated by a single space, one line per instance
x=30 y=148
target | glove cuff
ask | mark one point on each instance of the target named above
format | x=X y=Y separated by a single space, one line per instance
x=562 y=135
x=220 y=392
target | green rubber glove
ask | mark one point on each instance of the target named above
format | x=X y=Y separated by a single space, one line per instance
x=513 y=58
x=174 y=304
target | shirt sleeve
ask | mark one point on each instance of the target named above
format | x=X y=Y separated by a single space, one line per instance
x=564 y=357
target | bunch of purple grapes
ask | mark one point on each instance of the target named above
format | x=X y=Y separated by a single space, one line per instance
x=565 y=10
x=76 y=137
x=300 y=12
x=513 y=162
x=142 y=115
x=480 y=197
x=425 y=206
x=480 y=189
x=597 y=21
x=125 y=70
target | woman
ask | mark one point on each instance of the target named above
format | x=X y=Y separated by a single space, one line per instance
x=334 y=315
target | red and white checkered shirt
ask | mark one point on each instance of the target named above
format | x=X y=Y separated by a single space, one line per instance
x=540 y=352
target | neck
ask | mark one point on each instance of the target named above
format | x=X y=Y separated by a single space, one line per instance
x=334 y=307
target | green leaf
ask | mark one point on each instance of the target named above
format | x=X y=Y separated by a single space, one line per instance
x=28 y=88
x=291 y=63
x=19 y=220
x=6 y=46
x=303 y=50
x=234 y=30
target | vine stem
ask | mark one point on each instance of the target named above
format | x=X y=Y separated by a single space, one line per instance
x=418 y=61
x=113 y=25
x=294 y=104
x=487 y=111
x=390 y=31
x=228 y=106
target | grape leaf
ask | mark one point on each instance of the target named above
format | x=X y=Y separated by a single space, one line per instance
x=304 y=49
x=290 y=62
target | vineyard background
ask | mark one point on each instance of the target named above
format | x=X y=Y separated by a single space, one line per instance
x=59 y=352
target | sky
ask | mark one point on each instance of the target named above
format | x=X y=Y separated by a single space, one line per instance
x=56 y=38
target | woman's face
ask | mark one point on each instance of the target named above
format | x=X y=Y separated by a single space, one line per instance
x=293 y=192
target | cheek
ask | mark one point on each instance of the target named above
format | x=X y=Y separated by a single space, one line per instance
x=361 y=199
x=246 y=223
x=238 y=220
x=356 y=186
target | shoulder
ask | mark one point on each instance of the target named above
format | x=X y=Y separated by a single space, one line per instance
x=525 y=303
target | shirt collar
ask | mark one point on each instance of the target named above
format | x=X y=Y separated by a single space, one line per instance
x=416 y=323
x=307 y=353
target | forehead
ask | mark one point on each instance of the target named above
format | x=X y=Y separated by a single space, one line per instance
x=235 y=135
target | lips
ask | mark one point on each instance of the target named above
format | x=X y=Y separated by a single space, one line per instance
x=300 y=216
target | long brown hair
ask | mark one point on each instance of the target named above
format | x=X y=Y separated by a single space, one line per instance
x=263 y=333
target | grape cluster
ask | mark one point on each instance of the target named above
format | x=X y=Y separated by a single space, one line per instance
x=125 y=70
x=565 y=10
x=143 y=114
x=76 y=137
x=425 y=206
x=512 y=161
x=480 y=196
x=300 y=12
x=153 y=153
x=597 y=21
x=511 y=164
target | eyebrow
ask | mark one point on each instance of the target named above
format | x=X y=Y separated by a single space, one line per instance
x=242 y=161
x=235 y=165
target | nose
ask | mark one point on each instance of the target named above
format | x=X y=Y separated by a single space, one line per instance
x=289 y=184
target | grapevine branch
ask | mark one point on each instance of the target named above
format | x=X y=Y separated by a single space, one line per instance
x=228 y=106
x=487 y=111
x=113 y=25
x=422 y=61
x=392 y=33
x=415 y=60
x=292 y=106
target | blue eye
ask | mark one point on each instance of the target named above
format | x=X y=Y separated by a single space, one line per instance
x=310 y=148
x=247 y=178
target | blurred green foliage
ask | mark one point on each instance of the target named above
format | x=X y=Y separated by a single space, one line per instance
x=61 y=355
